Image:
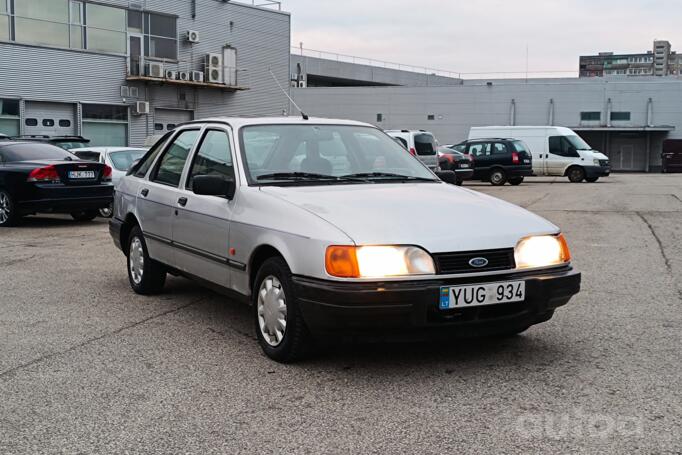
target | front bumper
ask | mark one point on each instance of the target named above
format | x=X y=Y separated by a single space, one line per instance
x=464 y=174
x=411 y=307
x=597 y=171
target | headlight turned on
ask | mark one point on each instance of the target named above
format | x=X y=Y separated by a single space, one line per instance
x=542 y=251
x=378 y=261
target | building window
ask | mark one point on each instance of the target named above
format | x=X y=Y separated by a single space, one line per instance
x=48 y=122
x=380 y=117
x=158 y=127
x=590 y=116
x=42 y=22
x=106 y=28
x=64 y=123
x=620 y=116
x=4 y=21
x=161 y=36
x=431 y=117
x=76 y=27
x=31 y=122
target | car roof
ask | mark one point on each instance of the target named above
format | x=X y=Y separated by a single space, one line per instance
x=105 y=149
x=5 y=143
x=239 y=122
x=480 y=139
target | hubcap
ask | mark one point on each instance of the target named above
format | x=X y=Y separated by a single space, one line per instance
x=497 y=177
x=107 y=212
x=272 y=311
x=4 y=208
x=136 y=260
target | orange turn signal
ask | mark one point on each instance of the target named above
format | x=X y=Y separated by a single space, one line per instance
x=342 y=262
x=565 y=251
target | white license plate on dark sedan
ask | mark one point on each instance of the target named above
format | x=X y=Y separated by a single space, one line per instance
x=464 y=166
x=455 y=297
x=81 y=174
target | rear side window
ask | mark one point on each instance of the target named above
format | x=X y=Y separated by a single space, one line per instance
x=480 y=149
x=149 y=158
x=34 y=151
x=214 y=157
x=425 y=144
x=173 y=161
x=499 y=148
x=402 y=141
x=520 y=147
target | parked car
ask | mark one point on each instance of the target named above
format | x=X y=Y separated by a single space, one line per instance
x=556 y=151
x=452 y=160
x=324 y=251
x=421 y=144
x=119 y=159
x=498 y=160
x=65 y=142
x=43 y=178
x=671 y=158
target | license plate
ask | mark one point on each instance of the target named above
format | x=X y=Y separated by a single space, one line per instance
x=452 y=297
x=464 y=166
x=81 y=174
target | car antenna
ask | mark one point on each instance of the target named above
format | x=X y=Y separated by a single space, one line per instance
x=303 y=114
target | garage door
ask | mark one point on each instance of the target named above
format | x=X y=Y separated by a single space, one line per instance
x=168 y=119
x=627 y=152
x=52 y=119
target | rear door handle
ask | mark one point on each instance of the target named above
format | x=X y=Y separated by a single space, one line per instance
x=144 y=192
x=182 y=201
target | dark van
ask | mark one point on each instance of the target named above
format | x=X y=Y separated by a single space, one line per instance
x=672 y=155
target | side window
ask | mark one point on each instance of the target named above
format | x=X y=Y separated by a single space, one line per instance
x=402 y=141
x=480 y=149
x=214 y=157
x=559 y=145
x=499 y=149
x=555 y=145
x=148 y=159
x=173 y=161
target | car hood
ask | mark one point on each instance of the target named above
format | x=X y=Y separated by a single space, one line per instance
x=438 y=217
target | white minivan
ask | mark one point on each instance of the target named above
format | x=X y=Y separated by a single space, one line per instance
x=556 y=150
x=419 y=143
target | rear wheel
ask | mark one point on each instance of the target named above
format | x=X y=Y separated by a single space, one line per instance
x=8 y=212
x=498 y=177
x=281 y=331
x=516 y=181
x=84 y=215
x=591 y=179
x=146 y=276
x=576 y=174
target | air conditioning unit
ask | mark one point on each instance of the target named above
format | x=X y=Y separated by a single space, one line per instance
x=155 y=70
x=198 y=76
x=184 y=75
x=302 y=84
x=141 y=108
x=192 y=36
x=172 y=75
x=214 y=68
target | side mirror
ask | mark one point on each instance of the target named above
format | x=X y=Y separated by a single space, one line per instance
x=447 y=176
x=214 y=185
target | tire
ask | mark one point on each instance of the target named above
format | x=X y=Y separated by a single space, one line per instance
x=591 y=179
x=8 y=213
x=498 y=177
x=273 y=288
x=576 y=174
x=85 y=215
x=459 y=182
x=516 y=181
x=107 y=212
x=146 y=276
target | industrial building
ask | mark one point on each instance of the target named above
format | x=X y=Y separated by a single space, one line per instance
x=660 y=61
x=119 y=71
x=627 y=119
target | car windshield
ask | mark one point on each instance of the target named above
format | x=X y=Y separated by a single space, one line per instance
x=326 y=154
x=425 y=144
x=578 y=143
x=125 y=158
x=35 y=151
x=70 y=145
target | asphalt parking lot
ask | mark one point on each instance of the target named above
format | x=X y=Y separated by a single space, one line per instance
x=86 y=366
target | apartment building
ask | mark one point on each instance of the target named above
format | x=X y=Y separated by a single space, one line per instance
x=660 y=61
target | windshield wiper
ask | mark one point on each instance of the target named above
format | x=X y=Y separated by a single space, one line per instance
x=387 y=176
x=305 y=176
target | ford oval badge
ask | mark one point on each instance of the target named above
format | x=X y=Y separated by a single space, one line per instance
x=478 y=262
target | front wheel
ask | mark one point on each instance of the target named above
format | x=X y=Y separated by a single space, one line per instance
x=498 y=177
x=591 y=179
x=281 y=331
x=8 y=212
x=84 y=215
x=576 y=174
x=146 y=276
x=516 y=181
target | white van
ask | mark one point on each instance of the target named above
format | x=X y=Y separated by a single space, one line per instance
x=556 y=150
x=419 y=143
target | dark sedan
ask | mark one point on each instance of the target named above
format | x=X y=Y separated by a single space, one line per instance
x=42 y=178
x=450 y=159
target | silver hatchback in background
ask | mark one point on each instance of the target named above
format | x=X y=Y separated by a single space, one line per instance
x=419 y=143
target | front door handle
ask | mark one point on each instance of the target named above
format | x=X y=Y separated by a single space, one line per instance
x=182 y=201
x=144 y=192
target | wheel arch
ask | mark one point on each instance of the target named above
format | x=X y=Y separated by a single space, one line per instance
x=571 y=166
x=128 y=224
x=261 y=254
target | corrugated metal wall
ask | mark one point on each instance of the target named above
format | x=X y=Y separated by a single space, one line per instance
x=260 y=35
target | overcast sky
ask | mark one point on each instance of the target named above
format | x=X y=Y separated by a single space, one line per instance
x=484 y=35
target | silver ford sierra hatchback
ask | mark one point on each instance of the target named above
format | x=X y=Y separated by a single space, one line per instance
x=329 y=229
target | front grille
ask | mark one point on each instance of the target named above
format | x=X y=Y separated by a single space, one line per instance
x=449 y=263
x=603 y=163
